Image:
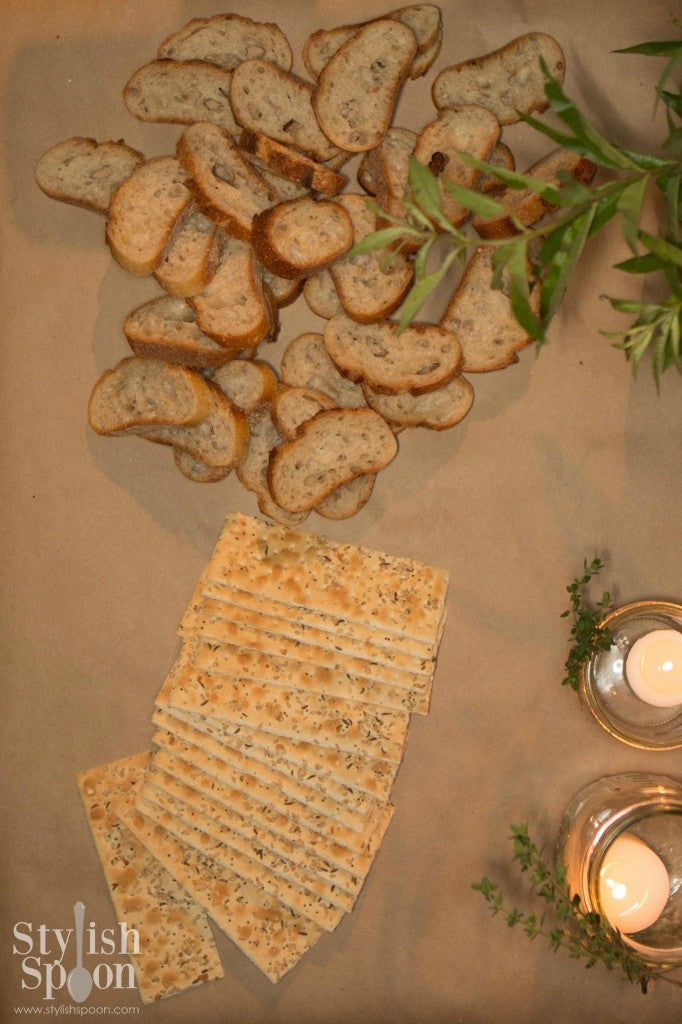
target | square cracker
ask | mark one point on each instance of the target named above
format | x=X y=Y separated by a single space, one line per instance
x=177 y=950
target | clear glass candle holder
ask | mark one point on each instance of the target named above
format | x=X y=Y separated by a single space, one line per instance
x=605 y=689
x=643 y=806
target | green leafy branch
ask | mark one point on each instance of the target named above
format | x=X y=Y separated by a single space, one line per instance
x=588 y=635
x=536 y=264
x=583 y=934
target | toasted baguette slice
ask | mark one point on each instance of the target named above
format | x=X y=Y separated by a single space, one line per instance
x=225 y=186
x=234 y=308
x=347 y=501
x=181 y=92
x=367 y=290
x=284 y=290
x=470 y=129
x=290 y=409
x=483 y=319
x=166 y=328
x=424 y=20
x=140 y=392
x=306 y=363
x=329 y=450
x=143 y=211
x=276 y=103
x=525 y=206
x=198 y=471
x=507 y=81
x=220 y=439
x=188 y=260
x=283 y=188
x=358 y=89
x=425 y=59
x=319 y=291
x=252 y=471
x=292 y=165
x=85 y=172
x=424 y=357
x=299 y=237
x=436 y=410
x=227 y=40
x=383 y=171
x=248 y=383
x=292 y=406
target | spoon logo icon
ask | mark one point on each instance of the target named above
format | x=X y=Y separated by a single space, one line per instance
x=79 y=980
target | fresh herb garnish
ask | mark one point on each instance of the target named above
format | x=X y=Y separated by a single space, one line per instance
x=544 y=257
x=584 y=935
x=588 y=635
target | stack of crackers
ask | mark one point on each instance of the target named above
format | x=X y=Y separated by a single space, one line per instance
x=279 y=732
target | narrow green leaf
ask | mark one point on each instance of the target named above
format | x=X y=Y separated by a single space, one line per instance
x=377 y=240
x=630 y=204
x=667 y=251
x=598 y=147
x=661 y=48
x=563 y=264
x=420 y=292
x=515 y=180
x=426 y=193
x=672 y=100
x=646 y=264
x=519 y=290
x=480 y=205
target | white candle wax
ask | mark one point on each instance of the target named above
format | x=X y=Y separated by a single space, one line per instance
x=653 y=667
x=634 y=886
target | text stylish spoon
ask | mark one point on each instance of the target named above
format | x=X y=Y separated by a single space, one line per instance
x=79 y=981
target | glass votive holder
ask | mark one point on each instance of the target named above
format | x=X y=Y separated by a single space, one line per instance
x=612 y=696
x=620 y=842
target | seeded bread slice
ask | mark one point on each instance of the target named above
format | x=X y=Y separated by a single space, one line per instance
x=225 y=185
x=166 y=328
x=248 y=383
x=506 y=81
x=86 y=173
x=319 y=291
x=292 y=165
x=306 y=363
x=368 y=290
x=424 y=357
x=469 y=129
x=188 y=260
x=483 y=319
x=347 y=501
x=143 y=211
x=424 y=20
x=235 y=308
x=220 y=439
x=436 y=410
x=292 y=406
x=503 y=157
x=283 y=188
x=329 y=450
x=139 y=392
x=385 y=170
x=299 y=237
x=197 y=470
x=527 y=207
x=358 y=89
x=252 y=471
x=227 y=40
x=284 y=290
x=181 y=92
x=276 y=103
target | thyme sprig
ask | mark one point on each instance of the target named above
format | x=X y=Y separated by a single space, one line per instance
x=544 y=256
x=588 y=635
x=582 y=934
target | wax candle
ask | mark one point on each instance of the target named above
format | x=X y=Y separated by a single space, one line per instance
x=653 y=667
x=634 y=886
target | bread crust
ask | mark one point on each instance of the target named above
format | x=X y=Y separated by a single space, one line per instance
x=60 y=171
x=292 y=165
x=298 y=225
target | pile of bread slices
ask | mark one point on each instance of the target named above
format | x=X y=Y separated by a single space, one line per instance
x=253 y=211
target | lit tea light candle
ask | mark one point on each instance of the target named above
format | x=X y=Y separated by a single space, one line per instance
x=653 y=667
x=634 y=886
